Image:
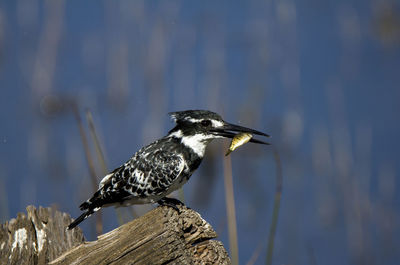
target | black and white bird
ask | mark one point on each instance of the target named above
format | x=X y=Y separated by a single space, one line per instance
x=163 y=166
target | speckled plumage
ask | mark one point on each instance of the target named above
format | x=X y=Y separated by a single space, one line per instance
x=148 y=176
x=161 y=167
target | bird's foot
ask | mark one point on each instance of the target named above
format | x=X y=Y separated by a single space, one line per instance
x=171 y=202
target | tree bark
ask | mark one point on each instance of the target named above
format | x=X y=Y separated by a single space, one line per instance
x=162 y=236
x=36 y=238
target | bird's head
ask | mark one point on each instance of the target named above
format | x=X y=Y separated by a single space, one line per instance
x=196 y=128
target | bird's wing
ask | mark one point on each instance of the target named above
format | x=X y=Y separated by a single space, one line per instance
x=155 y=172
x=142 y=176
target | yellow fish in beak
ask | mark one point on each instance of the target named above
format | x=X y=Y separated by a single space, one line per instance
x=238 y=140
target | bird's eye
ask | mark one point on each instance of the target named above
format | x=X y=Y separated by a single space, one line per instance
x=206 y=123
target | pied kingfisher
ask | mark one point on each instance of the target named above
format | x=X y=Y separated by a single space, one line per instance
x=163 y=166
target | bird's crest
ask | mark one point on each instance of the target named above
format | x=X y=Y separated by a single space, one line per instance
x=190 y=115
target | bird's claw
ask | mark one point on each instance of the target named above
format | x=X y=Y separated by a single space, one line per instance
x=171 y=202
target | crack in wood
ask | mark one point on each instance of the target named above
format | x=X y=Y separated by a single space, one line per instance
x=162 y=236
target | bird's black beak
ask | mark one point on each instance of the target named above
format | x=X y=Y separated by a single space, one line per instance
x=230 y=130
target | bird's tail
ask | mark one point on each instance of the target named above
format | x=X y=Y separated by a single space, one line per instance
x=82 y=217
x=90 y=206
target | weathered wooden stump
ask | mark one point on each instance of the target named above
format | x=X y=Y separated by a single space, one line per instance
x=36 y=238
x=162 y=236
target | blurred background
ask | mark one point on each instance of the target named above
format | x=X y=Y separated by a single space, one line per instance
x=322 y=77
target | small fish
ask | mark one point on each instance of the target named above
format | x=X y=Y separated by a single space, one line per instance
x=238 y=140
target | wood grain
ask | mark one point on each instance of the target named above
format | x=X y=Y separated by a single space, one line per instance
x=36 y=238
x=162 y=236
